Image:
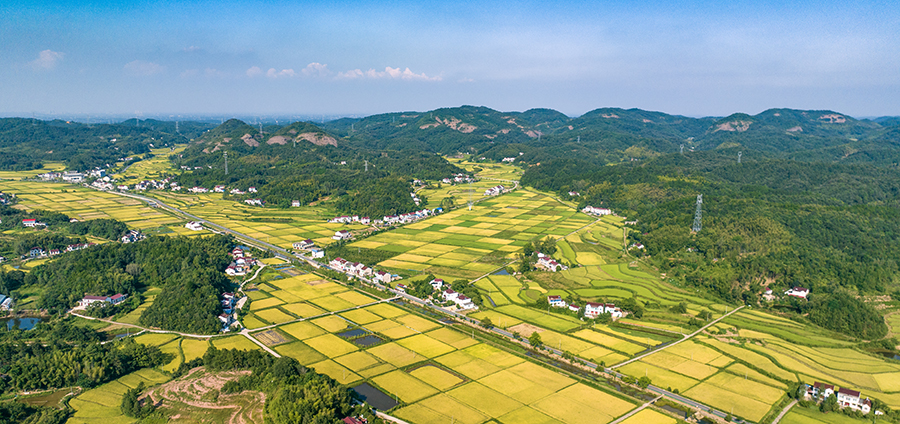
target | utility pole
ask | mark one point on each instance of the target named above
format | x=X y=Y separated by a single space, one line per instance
x=698 y=214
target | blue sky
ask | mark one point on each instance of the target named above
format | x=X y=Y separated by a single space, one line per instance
x=307 y=57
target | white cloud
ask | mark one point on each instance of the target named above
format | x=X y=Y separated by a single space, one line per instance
x=254 y=71
x=389 y=73
x=144 y=68
x=272 y=73
x=47 y=59
x=316 y=69
x=466 y=80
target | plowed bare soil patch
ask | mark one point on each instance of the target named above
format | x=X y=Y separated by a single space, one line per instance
x=195 y=397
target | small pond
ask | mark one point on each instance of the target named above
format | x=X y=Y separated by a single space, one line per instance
x=378 y=399
x=21 y=323
x=369 y=340
x=352 y=333
x=502 y=272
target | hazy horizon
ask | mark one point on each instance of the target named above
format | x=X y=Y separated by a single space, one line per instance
x=279 y=58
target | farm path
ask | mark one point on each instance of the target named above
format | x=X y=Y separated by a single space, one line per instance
x=636 y=410
x=150 y=330
x=269 y=327
x=246 y=334
x=784 y=411
x=638 y=358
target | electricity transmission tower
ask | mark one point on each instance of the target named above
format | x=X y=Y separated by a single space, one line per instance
x=682 y=149
x=739 y=156
x=367 y=165
x=698 y=215
x=471 y=193
x=226 y=162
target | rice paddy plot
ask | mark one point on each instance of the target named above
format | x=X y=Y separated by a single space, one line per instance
x=404 y=386
x=737 y=404
x=440 y=409
x=234 y=342
x=301 y=352
x=540 y=318
x=193 y=348
x=659 y=376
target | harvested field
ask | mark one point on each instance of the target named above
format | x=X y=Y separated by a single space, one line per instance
x=270 y=337
x=183 y=399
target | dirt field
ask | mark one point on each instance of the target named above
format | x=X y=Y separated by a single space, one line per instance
x=525 y=329
x=270 y=338
x=195 y=398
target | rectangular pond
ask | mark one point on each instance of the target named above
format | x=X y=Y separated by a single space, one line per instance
x=378 y=399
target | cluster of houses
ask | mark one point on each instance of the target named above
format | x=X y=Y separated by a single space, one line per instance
x=456 y=179
x=32 y=223
x=351 y=268
x=6 y=198
x=5 y=303
x=39 y=252
x=194 y=226
x=133 y=236
x=846 y=398
x=227 y=315
x=344 y=219
x=798 y=292
x=102 y=300
x=494 y=191
x=73 y=176
x=591 y=310
x=309 y=246
x=574 y=194
x=415 y=199
x=548 y=263
x=342 y=235
x=410 y=217
x=255 y=202
x=509 y=159
x=591 y=210
x=164 y=184
x=405 y=218
x=241 y=263
x=462 y=301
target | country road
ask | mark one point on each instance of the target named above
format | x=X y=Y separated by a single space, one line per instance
x=285 y=254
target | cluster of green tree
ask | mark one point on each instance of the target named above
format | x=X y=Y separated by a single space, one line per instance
x=58 y=234
x=189 y=270
x=293 y=393
x=22 y=243
x=12 y=217
x=25 y=143
x=22 y=413
x=132 y=406
x=61 y=330
x=109 y=229
x=528 y=257
x=35 y=366
x=10 y=281
x=820 y=226
x=463 y=287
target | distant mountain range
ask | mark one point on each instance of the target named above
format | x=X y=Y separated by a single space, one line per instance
x=605 y=135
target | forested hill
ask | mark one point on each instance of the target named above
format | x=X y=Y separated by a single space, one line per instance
x=612 y=134
x=25 y=143
x=303 y=162
x=834 y=228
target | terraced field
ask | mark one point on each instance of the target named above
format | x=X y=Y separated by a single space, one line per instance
x=101 y=405
x=467 y=244
x=281 y=227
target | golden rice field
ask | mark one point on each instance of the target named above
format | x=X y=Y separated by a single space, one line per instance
x=101 y=404
x=455 y=244
x=84 y=204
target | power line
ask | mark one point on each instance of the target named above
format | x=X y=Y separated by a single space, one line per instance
x=698 y=214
